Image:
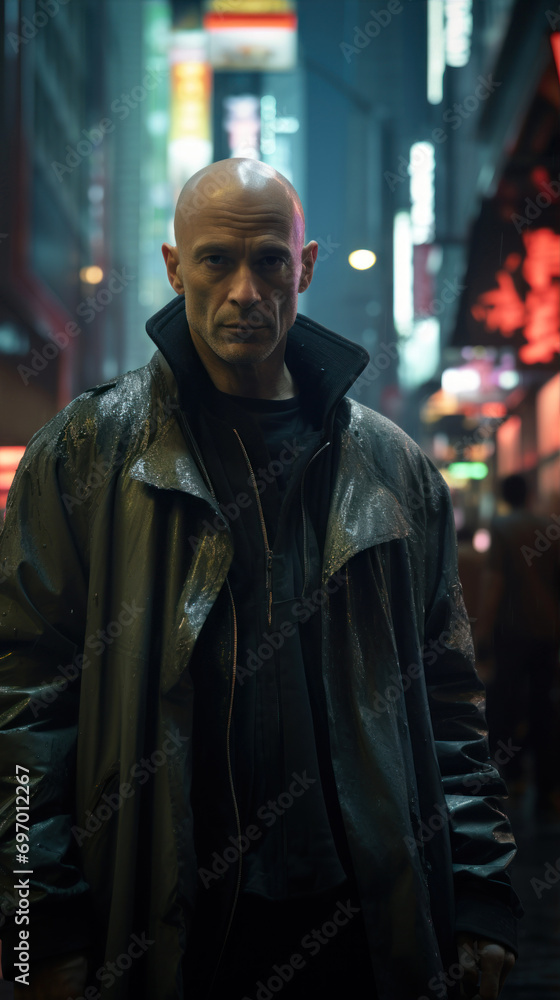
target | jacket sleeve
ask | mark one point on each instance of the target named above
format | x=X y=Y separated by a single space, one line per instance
x=482 y=842
x=42 y=611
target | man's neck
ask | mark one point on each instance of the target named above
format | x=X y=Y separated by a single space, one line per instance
x=256 y=382
x=285 y=388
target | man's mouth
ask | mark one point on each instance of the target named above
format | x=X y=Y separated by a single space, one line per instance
x=244 y=327
x=241 y=325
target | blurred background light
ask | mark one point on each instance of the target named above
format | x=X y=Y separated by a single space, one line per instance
x=458 y=32
x=403 y=276
x=422 y=192
x=361 y=260
x=481 y=540
x=468 y=470
x=436 y=50
x=457 y=380
x=91 y=275
x=508 y=379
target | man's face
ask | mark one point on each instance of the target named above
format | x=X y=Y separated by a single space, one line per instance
x=240 y=265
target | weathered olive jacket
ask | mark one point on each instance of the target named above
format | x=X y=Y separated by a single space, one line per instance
x=102 y=597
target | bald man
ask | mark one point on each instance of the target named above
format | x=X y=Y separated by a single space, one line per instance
x=240 y=262
x=236 y=665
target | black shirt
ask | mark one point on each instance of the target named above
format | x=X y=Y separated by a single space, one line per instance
x=255 y=451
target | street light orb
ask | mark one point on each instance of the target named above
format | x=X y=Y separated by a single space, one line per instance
x=362 y=259
x=91 y=275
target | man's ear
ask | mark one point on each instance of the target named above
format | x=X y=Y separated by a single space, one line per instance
x=171 y=258
x=308 y=258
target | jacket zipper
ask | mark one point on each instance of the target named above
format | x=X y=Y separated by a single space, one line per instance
x=196 y=450
x=268 y=584
x=268 y=551
x=269 y=556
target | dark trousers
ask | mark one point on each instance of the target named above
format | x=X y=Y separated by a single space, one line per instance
x=296 y=948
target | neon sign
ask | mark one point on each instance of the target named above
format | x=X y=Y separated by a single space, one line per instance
x=537 y=313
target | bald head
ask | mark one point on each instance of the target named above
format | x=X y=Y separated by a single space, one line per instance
x=238 y=182
x=240 y=262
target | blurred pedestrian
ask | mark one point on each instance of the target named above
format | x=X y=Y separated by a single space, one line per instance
x=519 y=629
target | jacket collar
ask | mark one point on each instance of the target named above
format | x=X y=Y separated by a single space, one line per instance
x=323 y=363
x=325 y=366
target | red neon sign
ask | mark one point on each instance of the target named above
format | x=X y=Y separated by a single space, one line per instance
x=537 y=314
x=555 y=42
x=9 y=460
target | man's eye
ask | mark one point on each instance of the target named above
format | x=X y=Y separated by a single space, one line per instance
x=272 y=260
x=269 y=261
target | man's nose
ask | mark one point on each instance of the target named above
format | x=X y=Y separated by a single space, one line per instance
x=244 y=289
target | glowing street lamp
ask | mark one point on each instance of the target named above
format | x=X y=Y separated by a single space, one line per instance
x=91 y=275
x=362 y=259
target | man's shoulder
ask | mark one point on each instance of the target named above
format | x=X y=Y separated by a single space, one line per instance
x=105 y=414
x=127 y=397
x=371 y=421
x=386 y=439
x=396 y=459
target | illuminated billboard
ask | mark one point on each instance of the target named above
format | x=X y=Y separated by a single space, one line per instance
x=190 y=132
x=527 y=298
x=512 y=296
x=256 y=36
